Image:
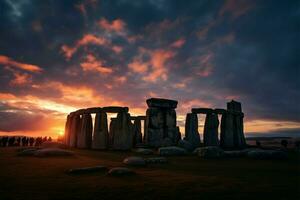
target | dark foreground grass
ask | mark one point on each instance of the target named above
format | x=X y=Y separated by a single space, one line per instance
x=186 y=177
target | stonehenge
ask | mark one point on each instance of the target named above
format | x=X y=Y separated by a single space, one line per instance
x=157 y=128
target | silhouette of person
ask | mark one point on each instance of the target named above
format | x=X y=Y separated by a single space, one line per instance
x=49 y=139
x=11 y=141
x=4 y=141
x=31 y=141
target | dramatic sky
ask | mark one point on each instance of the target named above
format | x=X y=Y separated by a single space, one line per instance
x=57 y=56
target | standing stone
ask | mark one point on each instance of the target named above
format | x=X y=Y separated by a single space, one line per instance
x=100 y=136
x=123 y=132
x=111 y=131
x=211 y=130
x=85 y=137
x=226 y=135
x=75 y=125
x=137 y=132
x=67 y=131
x=191 y=129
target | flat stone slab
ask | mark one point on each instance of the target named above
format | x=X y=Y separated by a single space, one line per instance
x=47 y=152
x=87 y=170
x=156 y=160
x=161 y=103
x=219 y=111
x=144 y=151
x=172 y=151
x=120 y=171
x=114 y=109
x=93 y=110
x=267 y=154
x=202 y=110
x=134 y=161
x=210 y=152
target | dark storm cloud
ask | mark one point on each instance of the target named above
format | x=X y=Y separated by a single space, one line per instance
x=202 y=53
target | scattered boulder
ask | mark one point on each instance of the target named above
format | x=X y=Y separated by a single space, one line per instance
x=210 y=152
x=234 y=154
x=186 y=145
x=144 y=151
x=134 y=161
x=267 y=154
x=52 y=152
x=172 y=151
x=156 y=160
x=87 y=170
x=120 y=171
x=49 y=144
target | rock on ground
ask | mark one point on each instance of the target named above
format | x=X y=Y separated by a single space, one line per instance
x=267 y=154
x=171 y=151
x=120 y=171
x=134 y=161
x=156 y=160
x=186 y=145
x=27 y=152
x=52 y=152
x=144 y=151
x=87 y=170
x=210 y=152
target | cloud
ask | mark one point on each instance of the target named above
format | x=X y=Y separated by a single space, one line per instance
x=178 y=43
x=20 y=79
x=87 y=39
x=116 y=25
x=6 y=61
x=93 y=64
x=236 y=8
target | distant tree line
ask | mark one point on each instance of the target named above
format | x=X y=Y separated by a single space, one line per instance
x=23 y=141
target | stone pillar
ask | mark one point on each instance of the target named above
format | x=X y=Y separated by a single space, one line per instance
x=191 y=129
x=210 y=133
x=67 y=131
x=123 y=132
x=160 y=124
x=75 y=127
x=226 y=136
x=84 y=139
x=137 y=132
x=100 y=136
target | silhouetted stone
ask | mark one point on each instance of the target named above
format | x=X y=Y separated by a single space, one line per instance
x=100 y=136
x=67 y=130
x=93 y=110
x=186 y=145
x=210 y=133
x=144 y=151
x=74 y=130
x=210 y=152
x=134 y=161
x=84 y=138
x=267 y=154
x=227 y=131
x=202 y=110
x=115 y=109
x=85 y=170
x=161 y=103
x=138 y=138
x=191 y=130
x=234 y=106
x=219 y=111
x=48 y=152
x=171 y=151
x=156 y=160
x=120 y=171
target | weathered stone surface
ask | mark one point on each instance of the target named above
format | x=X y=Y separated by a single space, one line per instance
x=186 y=145
x=154 y=137
x=234 y=106
x=166 y=142
x=85 y=170
x=48 y=152
x=84 y=139
x=123 y=132
x=120 y=171
x=144 y=151
x=210 y=133
x=219 y=111
x=115 y=109
x=138 y=138
x=171 y=118
x=134 y=161
x=156 y=118
x=138 y=117
x=227 y=131
x=239 y=137
x=161 y=103
x=156 y=160
x=267 y=154
x=75 y=128
x=67 y=130
x=111 y=131
x=80 y=112
x=202 y=110
x=210 y=152
x=93 y=110
x=191 y=130
x=171 y=151
x=100 y=136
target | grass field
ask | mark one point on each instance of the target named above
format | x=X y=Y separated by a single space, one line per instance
x=187 y=177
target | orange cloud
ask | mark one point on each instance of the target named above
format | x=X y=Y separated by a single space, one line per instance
x=206 y=66
x=20 y=79
x=117 y=49
x=85 y=40
x=4 y=60
x=96 y=65
x=116 y=25
x=178 y=43
x=236 y=8
x=138 y=66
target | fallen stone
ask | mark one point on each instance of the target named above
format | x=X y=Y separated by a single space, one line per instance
x=87 y=170
x=144 y=151
x=210 y=152
x=156 y=160
x=234 y=154
x=134 y=161
x=186 y=145
x=52 y=152
x=27 y=152
x=120 y=171
x=172 y=151
x=267 y=154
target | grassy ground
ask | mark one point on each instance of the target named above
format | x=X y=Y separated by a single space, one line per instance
x=186 y=177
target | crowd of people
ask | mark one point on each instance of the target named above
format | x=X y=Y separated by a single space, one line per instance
x=23 y=141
